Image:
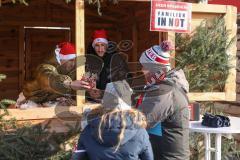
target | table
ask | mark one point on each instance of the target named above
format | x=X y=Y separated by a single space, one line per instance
x=196 y=126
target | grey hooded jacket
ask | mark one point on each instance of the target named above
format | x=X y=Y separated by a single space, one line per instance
x=166 y=102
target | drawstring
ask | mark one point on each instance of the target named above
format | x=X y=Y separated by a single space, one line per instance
x=57 y=51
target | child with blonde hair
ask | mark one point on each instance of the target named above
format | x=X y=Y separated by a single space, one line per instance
x=115 y=131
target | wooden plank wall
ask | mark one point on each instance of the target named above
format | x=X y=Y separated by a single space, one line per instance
x=13 y=61
x=9 y=61
x=40 y=45
x=145 y=38
x=56 y=13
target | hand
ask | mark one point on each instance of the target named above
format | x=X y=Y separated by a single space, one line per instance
x=78 y=85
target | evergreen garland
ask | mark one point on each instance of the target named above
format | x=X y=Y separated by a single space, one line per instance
x=203 y=56
x=28 y=142
x=18 y=142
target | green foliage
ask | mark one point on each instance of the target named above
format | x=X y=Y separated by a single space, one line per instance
x=62 y=155
x=28 y=142
x=203 y=56
x=5 y=103
x=33 y=142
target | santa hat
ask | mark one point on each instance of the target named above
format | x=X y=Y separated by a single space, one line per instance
x=65 y=51
x=117 y=95
x=99 y=36
x=157 y=57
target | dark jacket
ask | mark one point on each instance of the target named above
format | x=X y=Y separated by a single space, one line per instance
x=111 y=67
x=167 y=103
x=134 y=146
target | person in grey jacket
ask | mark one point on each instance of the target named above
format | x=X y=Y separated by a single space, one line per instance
x=165 y=101
x=115 y=131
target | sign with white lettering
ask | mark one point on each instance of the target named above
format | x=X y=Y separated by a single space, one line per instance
x=170 y=16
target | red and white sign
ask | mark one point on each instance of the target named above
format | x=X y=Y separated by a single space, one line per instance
x=170 y=16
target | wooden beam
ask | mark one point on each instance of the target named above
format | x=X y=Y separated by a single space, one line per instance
x=171 y=37
x=207 y=96
x=80 y=46
x=61 y=112
x=209 y=8
x=231 y=25
x=36 y=23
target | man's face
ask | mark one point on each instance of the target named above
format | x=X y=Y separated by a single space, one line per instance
x=68 y=64
x=100 y=48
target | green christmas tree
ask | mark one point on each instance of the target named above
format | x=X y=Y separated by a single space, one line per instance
x=203 y=56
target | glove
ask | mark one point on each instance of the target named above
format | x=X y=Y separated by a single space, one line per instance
x=215 y=121
x=225 y=120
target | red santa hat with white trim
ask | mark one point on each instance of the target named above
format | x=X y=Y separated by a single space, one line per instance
x=157 y=57
x=65 y=51
x=99 y=36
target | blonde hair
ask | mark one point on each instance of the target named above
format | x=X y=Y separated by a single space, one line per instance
x=136 y=116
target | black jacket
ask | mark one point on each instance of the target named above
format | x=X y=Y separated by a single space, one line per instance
x=111 y=67
x=134 y=146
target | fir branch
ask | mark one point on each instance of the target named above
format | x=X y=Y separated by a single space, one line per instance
x=203 y=56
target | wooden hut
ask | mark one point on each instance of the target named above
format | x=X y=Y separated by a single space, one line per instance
x=29 y=33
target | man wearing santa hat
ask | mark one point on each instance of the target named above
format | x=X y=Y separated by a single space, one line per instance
x=49 y=77
x=108 y=65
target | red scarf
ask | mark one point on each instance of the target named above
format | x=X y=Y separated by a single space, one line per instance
x=154 y=79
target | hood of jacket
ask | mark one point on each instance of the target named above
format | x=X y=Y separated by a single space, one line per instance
x=112 y=129
x=178 y=77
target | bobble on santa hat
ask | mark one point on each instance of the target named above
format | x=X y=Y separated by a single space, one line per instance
x=99 y=36
x=65 y=51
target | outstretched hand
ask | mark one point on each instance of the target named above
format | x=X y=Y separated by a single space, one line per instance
x=78 y=85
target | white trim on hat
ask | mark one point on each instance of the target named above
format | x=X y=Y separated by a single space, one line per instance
x=57 y=51
x=60 y=56
x=98 y=40
x=67 y=57
x=152 y=60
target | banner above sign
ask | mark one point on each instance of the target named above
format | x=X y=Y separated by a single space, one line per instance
x=170 y=16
